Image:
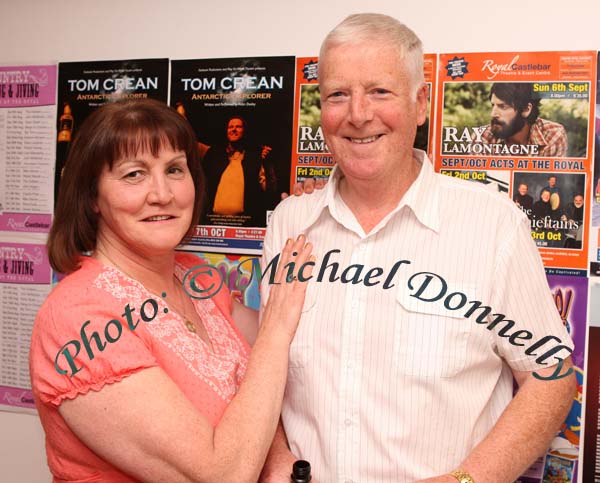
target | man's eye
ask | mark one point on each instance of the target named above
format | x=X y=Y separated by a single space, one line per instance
x=381 y=91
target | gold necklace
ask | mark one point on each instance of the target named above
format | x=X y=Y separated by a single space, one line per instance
x=187 y=322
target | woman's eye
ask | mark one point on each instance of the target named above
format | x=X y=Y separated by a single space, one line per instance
x=133 y=174
x=177 y=170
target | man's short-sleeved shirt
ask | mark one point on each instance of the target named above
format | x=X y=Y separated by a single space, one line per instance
x=384 y=386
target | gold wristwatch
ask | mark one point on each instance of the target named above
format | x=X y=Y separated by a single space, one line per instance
x=462 y=476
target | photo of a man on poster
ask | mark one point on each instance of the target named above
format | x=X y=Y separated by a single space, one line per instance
x=241 y=179
x=515 y=120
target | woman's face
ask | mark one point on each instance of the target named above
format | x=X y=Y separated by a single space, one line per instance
x=145 y=204
x=545 y=196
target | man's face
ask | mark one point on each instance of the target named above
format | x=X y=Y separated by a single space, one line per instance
x=506 y=120
x=523 y=189
x=578 y=201
x=552 y=181
x=235 y=130
x=368 y=111
x=546 y=196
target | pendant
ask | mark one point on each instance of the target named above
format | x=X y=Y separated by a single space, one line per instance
x=190 y=326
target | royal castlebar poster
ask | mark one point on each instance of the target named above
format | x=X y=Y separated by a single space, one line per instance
x=27 y=133
x=241 y=111
x=522 y=124
x=310 y=156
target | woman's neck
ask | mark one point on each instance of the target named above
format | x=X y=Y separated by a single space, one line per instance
x=156 y=273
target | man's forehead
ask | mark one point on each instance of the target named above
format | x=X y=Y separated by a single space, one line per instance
x=362 y=60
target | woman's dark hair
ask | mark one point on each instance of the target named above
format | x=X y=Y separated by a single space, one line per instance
x=114 y=131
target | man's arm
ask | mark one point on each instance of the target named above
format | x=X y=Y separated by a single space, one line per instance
x=523 y=432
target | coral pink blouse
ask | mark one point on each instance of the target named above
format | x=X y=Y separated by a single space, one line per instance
x=62 y=366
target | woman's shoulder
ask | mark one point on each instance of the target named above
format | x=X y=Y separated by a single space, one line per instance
x=76 y=283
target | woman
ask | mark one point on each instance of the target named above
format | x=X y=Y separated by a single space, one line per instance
x=133 y=379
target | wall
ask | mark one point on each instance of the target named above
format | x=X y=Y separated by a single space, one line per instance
x=38 y=31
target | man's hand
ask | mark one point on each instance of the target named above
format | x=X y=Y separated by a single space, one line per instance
x=264 y=152
x=307 y=186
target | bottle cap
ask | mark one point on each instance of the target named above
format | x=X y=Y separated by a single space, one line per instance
x=301 y=472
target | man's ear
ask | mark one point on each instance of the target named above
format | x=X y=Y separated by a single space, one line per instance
x=422 y=94
x=525 y=112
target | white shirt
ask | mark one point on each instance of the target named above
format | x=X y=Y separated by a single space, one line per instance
x=383 y=387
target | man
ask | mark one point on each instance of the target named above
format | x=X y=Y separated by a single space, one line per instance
x=515 y=121
x=241 y=181
x=384 y=386
x=523 y=200
x=574 y=216
x=552 y=187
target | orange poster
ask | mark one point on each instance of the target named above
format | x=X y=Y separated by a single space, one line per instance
x=310 y=157
x=521 y=123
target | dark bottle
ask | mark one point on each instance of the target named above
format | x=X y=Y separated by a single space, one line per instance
x=301 y=472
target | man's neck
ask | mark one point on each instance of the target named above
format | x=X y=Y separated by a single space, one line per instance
x=372 y=200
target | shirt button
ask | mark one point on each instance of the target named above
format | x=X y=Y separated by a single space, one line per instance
x=348 y=422
x=354 y=304
x=362 y=248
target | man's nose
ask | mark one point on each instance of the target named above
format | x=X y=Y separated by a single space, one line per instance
x=361 y=110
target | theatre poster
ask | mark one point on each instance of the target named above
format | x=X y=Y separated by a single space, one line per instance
x=241 y=112
x=85 y=86
x=27 y=133
x=478 y=139
x=310 y=156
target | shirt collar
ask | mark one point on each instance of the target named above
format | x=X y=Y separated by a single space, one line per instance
x=422 y=197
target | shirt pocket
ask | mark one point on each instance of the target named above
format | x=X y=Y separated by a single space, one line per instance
x=429 y=339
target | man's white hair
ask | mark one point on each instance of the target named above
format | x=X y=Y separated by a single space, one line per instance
x=363 y=27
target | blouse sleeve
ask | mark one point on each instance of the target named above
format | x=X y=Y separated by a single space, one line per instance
x=78 y=345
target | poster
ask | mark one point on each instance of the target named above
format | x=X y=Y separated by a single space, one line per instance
x=591 y=437
x=238 y=273
x=521 y=123
x=24 y=284
x=311 y=158
x=241 y=111
x=594 y=250
x=27 y=110
x=27 y=133
x=84 y=86
x=570 y=295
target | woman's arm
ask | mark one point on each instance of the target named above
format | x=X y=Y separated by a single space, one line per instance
x=145 y=426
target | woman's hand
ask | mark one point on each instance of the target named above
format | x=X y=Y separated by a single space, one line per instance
x=286 y=297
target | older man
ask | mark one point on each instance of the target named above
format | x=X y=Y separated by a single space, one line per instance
x=387 y=380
